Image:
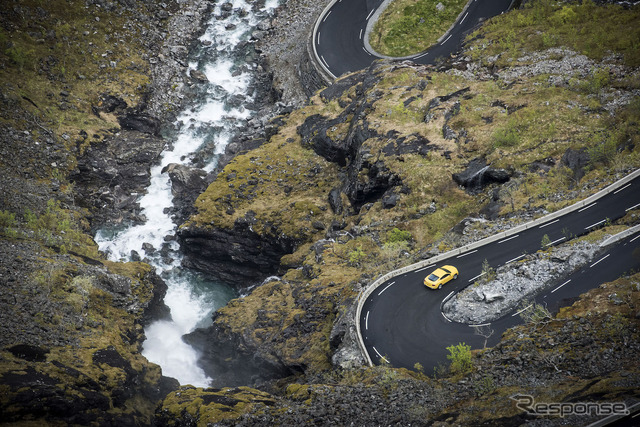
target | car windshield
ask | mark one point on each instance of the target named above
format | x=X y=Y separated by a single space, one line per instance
x=433 y=277
x=446 y=270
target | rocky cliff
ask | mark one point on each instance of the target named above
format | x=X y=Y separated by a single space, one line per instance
x=84 y=89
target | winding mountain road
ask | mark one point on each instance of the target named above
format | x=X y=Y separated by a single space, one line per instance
x=339 y=34
x=402 y=322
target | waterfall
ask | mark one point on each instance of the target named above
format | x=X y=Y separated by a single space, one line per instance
x=219 y=113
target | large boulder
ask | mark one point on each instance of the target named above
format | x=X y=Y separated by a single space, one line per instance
x=187 y=183
x=478 y=175
x=239 y=255
x=576 y=160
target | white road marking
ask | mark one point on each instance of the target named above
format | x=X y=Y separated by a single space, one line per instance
x=369 y=15
x=468 y=253
x=318 y=38
x=421 y=55
x=620 y=189
x=587 y=207
x=506 y=240
x=424 y=268
x=634 y=238
x=445 y=40
x=515 y=314
x=379 y=355
x=602 y=259
x=560 y=286
x=549 y=223
x=366 y=321
x=515 y=259
x=593 y=225
x=445 y=317
x=360 y=34
x=327 y=15
x=555 y=241
x=324 y=60
x=447 y=297
x=464 y=17
x=477 y=326
x=632 y=207
x=386 y=287
x=479 y=275
x=366 y=51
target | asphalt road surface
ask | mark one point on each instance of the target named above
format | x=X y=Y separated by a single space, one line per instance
x=339 y=39
x=402 y=319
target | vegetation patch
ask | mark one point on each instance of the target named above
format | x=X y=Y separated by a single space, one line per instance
x=594 y=30
x=408 y=27
x=208 y=406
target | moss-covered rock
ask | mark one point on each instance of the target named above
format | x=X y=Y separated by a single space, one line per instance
x=203 y=407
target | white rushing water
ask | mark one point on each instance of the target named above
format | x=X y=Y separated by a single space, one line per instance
x=190 y=296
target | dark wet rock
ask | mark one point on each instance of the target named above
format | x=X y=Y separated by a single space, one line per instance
x=509 y=109
x=413 y=144
x=35 y=394
x=140 y=122
x=368 y=182
x=343 y=340
x=232 y=359
x=319 y=247
x=335 y=200
x=156 y=309
x=187 y=183
x=198 y=76
x=435 y=102
x=112 y=174
x=576 y=160
x=314 y=132
x=239 y=255
x=478 y=175
x=544 y=165
x=337 y=89
x=28 y=352
x=390 y=200
x=365 y=180
x=135 y=256
x=111 y=103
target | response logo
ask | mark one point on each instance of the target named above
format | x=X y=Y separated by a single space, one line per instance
x=527 y=403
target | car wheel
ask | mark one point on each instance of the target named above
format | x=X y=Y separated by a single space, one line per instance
x=455 y=276
x=440 y=285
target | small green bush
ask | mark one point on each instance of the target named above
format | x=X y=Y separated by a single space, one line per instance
x=396 y=235
x=505 y=137
x=357 y=256
x=7 y=219
x=484 y=385
x=546 y=241
x=603 y=151
x=488 y=272
x=460 y=356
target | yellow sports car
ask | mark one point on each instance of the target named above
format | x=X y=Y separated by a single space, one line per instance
x=440 y=276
